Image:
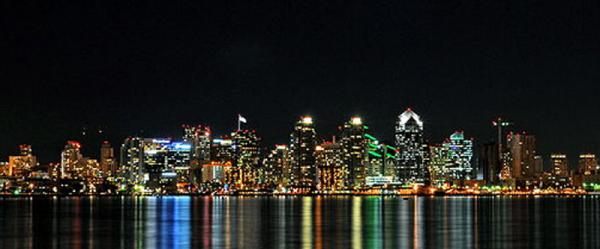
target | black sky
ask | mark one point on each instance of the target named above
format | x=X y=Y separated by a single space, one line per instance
x=127 y=66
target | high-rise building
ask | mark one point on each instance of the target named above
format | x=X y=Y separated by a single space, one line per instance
x=303 y=142
x=19 y=166
x=587 y=164
x=538 y=164
x=354 y=152
x=460 y=157
x=489 y=162
x=107 y=159
x=560 y=165
x=200 y=139
x=438 y=164
x=246 y=152
x=72 y=162
x=277 y=170
x=381 y=158
x=411 y=148
x=522 y=151
x=131 y=167
x=332 y=168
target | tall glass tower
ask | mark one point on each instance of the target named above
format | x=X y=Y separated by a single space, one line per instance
x=410 y=167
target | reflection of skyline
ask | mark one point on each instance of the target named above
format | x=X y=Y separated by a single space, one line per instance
x=299 y=222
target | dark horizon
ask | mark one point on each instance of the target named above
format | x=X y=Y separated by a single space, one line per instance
x=124 y=68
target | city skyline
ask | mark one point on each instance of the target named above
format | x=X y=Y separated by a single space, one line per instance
x=91 y=140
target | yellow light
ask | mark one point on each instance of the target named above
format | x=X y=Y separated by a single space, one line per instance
x=307 y=120
x=356 y=121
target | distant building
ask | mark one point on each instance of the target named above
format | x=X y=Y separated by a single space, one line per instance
x=303 y=142
x=246 y=155
x=277 y=170
x=21 y=165
x=538 y=164
x=200 y=139
x=522 y=151
x=490 y=162
x=411 y=148
x=354 y=152
x=331 y=167
x=131 y=167
x=587 y=164
x=72 y=162
x=460 y=155
x=107 y=159
x=559 y=164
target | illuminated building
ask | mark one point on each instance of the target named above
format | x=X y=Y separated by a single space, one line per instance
x=132 y=160
x=522 y=151
x=587 y=164
x=107 y=159
x=411 y=148
x=303 y=141
x=71 y=161
x=460 y=155
x=166 y=162
x=246 y=157
x=221 y=150
x=438 y=164
x=200 y=139
x=381 y=158
x=215 y=171
x=20 y=166
x=489 y=162
x=332 y=171
x=559 y=164
x=354 y=152
x=276 y=166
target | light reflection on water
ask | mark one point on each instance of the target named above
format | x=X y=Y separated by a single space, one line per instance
x=300 y=222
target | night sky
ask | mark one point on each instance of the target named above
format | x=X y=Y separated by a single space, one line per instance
x=141 y=67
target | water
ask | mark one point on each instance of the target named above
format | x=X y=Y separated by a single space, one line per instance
x=300 y=222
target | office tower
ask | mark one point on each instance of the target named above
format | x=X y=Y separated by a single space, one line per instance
x=200 y=139
x=559 y=164
x=131 y=167
x=277 y=170
x=460 y=156
x=438 y=164
x=381 y=157
x=107 y=159
x=332 y=170
x=72 y=161
x=354 y=152
x=155 y=151
x=522 y=151
x=303 y=141
x=538 y=164
x=411 y=146
x=490 y=162
x=21 y=165
x=246 y=153
x=587 y=164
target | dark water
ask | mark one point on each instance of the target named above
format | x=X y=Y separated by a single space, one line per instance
x=300 y=222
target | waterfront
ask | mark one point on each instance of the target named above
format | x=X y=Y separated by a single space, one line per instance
x=300 y=222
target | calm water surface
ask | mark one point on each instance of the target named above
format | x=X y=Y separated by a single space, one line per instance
x=300 y=222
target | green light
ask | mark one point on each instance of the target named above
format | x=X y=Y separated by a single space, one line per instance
x=370 y=137
x=390 y=155
x=390 y=147
x=365 y=127
x=374 y=153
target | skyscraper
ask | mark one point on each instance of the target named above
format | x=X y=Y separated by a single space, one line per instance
x=131 y=167
x=560 y=165
x=71 y=161
x=331 y=167
x=522 y=150
x=409 y=140
x=107 y=159
x=587 y=164
x=489 y=162
x=354 y=152
x=200 y=139
x=21 y=165
x=460 y=156
x=246 y=152
x=303 y=141
x=276 y=166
